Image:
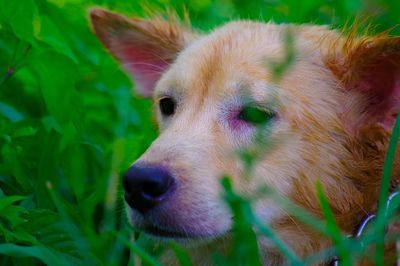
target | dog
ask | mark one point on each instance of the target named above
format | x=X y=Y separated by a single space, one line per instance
x=327 y=118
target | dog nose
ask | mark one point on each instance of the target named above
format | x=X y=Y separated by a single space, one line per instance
x=146 y=186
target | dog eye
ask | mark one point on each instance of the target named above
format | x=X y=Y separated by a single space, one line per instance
x=167 y=106
x=254 y=115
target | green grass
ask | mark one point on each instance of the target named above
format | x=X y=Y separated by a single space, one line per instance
x=69 y=127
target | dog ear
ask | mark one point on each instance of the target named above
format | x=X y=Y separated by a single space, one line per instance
x=144 y=47
x=369 y=68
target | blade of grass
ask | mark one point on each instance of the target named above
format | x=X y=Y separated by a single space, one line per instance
x=332 y=227
x=234 y=199
x=301 y=214
x=144 y=256
x=384 y=192
x=244 y=237
x=308 y=219
x=286 y=251
x=181 y=254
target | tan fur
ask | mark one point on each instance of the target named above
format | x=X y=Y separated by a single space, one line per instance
x=319 y=135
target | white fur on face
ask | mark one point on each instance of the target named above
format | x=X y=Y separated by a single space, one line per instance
x=199 y=145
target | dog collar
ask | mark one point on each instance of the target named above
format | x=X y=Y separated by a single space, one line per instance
x=367 y=219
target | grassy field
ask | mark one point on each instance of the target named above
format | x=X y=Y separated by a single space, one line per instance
x=69 y=126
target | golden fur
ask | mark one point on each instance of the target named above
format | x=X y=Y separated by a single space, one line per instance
x=333 y=126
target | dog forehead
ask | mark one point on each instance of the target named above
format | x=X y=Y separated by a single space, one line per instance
x=232 y=46
x=242 y=54
x=231 y=55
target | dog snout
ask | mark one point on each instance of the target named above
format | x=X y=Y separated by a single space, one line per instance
x=147 y=186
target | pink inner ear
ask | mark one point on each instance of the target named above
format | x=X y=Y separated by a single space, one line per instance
x=146 y=66
x=382 y=86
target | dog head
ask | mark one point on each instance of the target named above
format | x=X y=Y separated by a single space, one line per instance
x=217 y=95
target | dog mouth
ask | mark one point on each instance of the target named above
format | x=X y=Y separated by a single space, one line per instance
x=163 y=233
x=145 y=224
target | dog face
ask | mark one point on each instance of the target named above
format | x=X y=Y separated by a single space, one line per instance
x=216 y=96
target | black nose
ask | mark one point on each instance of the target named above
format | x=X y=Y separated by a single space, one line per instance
x=147 y=186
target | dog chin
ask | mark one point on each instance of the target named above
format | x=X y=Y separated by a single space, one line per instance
x=186 y=239
x=181 y=235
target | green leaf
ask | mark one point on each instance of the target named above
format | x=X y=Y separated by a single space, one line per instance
x=19 y=15
x=7 y=201
x=50 y=34
x=17 y=236
x=57 y=77
x=12 y=153
x=24 y=132
x=58 y=236
x=13 y=215
x=10 y=112
x=47 y=168
x=41 y=253
x=10 y=212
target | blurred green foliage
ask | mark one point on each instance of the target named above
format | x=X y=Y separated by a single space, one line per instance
x=69 y=124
